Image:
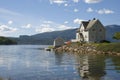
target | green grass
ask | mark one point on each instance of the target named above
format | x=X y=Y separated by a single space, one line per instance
x=50 y=47
x=108 y=47
x=75 y=44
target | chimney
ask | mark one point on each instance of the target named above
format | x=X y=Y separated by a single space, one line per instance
x=94 y=19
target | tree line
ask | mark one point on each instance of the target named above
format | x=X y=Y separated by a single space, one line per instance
x=6 y=41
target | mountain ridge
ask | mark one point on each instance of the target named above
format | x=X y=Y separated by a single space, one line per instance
x=47 y=38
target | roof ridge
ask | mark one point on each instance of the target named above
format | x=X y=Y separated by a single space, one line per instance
x=91 y=23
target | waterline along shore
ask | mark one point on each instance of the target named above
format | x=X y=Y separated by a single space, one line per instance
x=91 y=48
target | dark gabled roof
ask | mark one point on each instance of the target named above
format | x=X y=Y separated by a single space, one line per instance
x=85 y=24
x=58 y=38
x=91 y=23
x=88 y=24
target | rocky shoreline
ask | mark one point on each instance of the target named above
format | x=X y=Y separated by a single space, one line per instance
x=84 y=49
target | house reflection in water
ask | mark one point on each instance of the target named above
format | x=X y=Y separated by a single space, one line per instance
x=91 y=67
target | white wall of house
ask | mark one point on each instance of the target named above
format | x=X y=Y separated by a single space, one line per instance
x=77 y=36
x=82 y=28
x=86 y=36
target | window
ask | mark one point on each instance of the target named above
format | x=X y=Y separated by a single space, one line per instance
x=93 y=37
x=93 y=29
x=100 y=30
x=85 y=36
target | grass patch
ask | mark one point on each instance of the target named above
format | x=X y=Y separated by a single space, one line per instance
x=75 y=44
x=108 y=47
x=50 y=47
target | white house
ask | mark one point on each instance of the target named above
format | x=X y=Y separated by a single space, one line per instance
x=91 y=31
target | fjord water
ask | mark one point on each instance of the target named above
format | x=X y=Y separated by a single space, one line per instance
x=31 y=62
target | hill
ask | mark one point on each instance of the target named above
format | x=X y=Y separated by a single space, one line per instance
x=47 y=38
x=110 y=30
x=6 y=41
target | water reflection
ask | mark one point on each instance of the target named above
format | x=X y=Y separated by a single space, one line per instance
x=91 y=67
x=116 y=63
x=58 y=58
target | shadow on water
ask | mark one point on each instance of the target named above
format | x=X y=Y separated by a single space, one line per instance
x=58 y=58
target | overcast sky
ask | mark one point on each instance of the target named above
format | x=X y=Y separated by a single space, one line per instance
x=28 y=17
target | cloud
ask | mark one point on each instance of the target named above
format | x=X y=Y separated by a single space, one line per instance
x=57 y=1
x=6 y=11
x=104 y=11
x=47 y=22
x=92 y=1
x=63 y=27
x=66 y=5
x=48 y=26
x=10 y=22
x=75 y=1
x=76 y=10
x=78 y=21
x=44 y=28
x=27 y=26
x=66 y=22
x=90 y=10
x=101 y=11
x=5 y=28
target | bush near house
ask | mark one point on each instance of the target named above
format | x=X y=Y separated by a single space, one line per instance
x=116 y=36
x=104 y=41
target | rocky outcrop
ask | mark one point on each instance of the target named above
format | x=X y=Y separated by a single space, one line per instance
x=84 y=49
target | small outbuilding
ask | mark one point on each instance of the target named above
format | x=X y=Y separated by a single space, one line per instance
x=58 y=42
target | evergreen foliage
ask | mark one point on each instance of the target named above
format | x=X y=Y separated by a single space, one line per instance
x=6 y=41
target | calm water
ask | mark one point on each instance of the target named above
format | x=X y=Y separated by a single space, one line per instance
x=28 y=62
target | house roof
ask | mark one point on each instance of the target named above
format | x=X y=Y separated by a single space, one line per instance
x=88 y=24
x=58 y=38
x=85 y=24
x=91 y=23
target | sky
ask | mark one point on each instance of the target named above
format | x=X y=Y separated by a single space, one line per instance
x=29 y=17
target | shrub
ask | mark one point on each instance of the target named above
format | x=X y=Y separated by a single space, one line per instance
x=104 y=41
